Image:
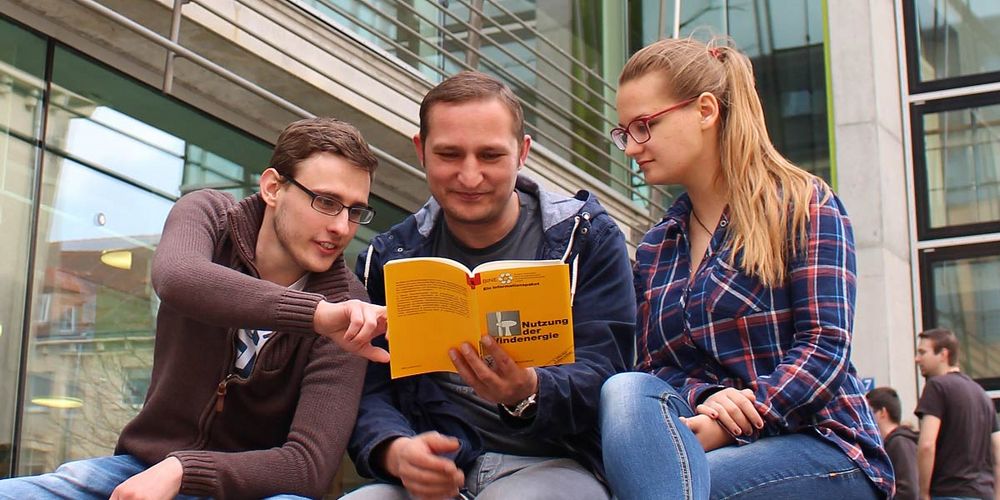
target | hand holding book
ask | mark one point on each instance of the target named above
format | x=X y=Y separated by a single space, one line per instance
x=499 y=381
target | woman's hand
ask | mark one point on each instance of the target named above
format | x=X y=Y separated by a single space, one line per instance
x=709 y=432
x=734 y=409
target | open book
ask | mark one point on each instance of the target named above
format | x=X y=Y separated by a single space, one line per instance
x=435 y=304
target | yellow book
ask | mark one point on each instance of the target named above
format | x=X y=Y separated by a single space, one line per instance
x=435 y=304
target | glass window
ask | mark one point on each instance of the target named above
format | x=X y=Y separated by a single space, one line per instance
x=94 y=309
x=965 y=295
x=103 y=120
x=702 y=18
x=956 y=38
x=136 y=386
x=784 y=41
x=648 y=21
x=961 y=169
x=22 y=64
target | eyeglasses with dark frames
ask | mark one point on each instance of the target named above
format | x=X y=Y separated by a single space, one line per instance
x=638 y=129
x=358 y=214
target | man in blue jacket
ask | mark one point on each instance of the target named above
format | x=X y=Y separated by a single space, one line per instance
x=495 y=430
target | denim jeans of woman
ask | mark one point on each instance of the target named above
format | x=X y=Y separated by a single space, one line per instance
x=650 y=453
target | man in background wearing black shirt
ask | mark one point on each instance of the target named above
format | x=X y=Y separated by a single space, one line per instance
x=957 y=425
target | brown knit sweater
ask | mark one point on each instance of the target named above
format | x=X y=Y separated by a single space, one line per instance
x=283 y=429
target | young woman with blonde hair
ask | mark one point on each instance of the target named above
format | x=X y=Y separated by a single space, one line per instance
x=746 y=293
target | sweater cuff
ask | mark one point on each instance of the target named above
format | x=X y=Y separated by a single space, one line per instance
x=376 y=454
x=296 y=310
x=200 y=478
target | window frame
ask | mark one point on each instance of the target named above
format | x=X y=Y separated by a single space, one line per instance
x=916 y=84
x=920 y=182
x=930 y=256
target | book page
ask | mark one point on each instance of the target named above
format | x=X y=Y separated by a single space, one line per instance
x=430 y=310
x=527 y=311
x=509 y=264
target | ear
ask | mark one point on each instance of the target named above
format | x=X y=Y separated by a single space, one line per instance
x=946 y=355
x=270 y=185
x=525 y=147
x=708 y=108
x=419 y=146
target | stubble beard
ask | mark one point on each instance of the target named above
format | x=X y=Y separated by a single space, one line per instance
x=285 y=237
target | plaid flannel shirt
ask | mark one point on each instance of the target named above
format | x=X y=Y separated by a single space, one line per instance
x=790 y=344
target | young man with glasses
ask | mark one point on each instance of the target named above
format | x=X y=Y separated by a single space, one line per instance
x=495 y=430
x=256 y=368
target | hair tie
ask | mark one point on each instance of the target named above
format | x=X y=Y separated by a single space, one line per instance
x=715 y=52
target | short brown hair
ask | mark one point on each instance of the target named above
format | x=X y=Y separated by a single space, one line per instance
x=943 y=338
x=885 y=398
x=303 y=138
x=470 y=86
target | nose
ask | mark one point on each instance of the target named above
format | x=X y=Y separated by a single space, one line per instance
x=339 y=224
x=632 y=148
x=470 y=174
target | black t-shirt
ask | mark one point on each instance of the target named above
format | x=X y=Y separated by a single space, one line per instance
x=963 y=463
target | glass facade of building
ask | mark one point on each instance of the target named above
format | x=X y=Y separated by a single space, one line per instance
x=952 y=51
x=90 y=164
x=560 y=58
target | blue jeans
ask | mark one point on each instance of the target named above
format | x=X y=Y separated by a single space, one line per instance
x=92 y=478
x=650 y=453
x=496 y=476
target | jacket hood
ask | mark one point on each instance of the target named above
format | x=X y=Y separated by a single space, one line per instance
x=904 y=432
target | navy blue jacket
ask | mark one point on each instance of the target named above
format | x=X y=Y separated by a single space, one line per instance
x=603 y=322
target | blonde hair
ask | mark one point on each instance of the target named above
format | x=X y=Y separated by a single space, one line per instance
x=761 y=184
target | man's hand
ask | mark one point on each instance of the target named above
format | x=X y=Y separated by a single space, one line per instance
x=418 y=463
x=734 y=409
x=709 y=432
x=161 y=481
x=352 y=325
x=502 y=381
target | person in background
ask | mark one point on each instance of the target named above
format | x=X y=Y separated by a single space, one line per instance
x=254 y=388
x=746 y=292
x=900 y=441
x=959 y=447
